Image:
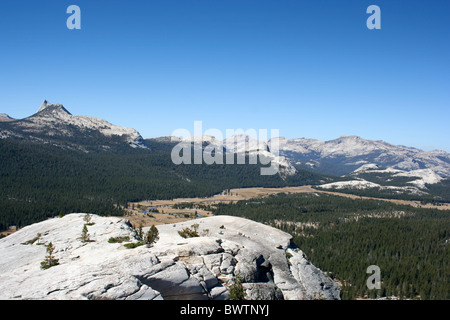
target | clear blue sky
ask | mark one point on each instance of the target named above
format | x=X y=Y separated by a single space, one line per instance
x=308 y=68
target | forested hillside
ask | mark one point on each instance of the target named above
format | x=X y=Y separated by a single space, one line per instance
x=345 y=236
x=39 y=180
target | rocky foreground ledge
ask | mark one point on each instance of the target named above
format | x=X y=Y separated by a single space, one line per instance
x=172 y=268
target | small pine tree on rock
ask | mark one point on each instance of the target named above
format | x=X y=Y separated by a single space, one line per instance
x=85 y=234
x=140 y=232
x=151 y=236
x=88 y=219
x=236 y=290
x=50 y=260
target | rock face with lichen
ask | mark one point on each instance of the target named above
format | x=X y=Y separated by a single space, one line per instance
x=174 y=267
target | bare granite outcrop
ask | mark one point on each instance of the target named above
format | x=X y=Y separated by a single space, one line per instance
x=173 y=267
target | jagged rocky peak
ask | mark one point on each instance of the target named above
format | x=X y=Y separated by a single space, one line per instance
x=49 y=107
x=44 y=105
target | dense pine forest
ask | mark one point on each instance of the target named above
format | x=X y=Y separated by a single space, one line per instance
x=345 y=236
x=40 y=181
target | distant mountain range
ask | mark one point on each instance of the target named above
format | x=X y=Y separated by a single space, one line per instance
x=350 y=156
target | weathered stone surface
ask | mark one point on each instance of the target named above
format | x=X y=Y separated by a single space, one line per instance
x=173 y=268
x=262 y=291
x=317 y=285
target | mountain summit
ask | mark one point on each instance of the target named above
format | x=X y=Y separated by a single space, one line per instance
x=52 y=109
x=54 y=124
x=44 y=105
